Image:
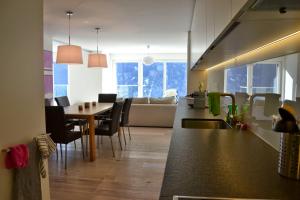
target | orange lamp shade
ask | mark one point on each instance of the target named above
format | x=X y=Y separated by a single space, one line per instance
x=69 y=54
x=97 y=60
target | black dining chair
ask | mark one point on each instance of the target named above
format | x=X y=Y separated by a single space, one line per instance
x=62 y=101
x=107 y=98
x=48 y=102
x=111 y=125
x=125 y=117
x=60 y=131
x=82 y=123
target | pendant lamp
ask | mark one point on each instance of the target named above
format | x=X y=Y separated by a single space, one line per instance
x=69 y=54
x=97 y=59
x=148 y=60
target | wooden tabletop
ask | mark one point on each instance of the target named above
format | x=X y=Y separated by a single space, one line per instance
x=74 y=111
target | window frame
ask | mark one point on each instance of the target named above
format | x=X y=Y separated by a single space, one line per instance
x=250 y=67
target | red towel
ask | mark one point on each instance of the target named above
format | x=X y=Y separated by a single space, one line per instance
x=17 y=157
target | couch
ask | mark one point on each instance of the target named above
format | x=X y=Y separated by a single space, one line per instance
x=153 y=112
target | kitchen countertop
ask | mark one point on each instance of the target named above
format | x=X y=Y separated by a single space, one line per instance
x=222 y=163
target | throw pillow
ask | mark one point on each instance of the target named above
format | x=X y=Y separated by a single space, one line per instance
x=142 y=100
x=164 y=100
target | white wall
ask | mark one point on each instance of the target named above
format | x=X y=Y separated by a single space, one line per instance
x=215 y=80
x=47 y=43
x=291 y=66
x=21 y=80
x=84 y=83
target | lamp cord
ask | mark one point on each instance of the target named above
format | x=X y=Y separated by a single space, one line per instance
x=69 y=29
x=97 y=38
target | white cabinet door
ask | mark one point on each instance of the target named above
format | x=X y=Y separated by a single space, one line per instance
x=210 y=22
x=236 y=6
x=222 y=15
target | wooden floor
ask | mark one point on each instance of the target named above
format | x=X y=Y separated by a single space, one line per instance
x=135 y=173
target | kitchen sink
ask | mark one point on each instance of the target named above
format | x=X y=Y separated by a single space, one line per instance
x=204 y=124
x=209 y=198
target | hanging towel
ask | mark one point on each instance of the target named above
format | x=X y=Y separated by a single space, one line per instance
x=271 y=104
x=46 y=147
x=26 y=181
x=17 y=157
x=240 y=99
x=214 y=103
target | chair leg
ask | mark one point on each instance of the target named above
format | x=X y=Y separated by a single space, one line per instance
x=128 y=127
x=61 y=153
x=66 y=153
x=56 y=152
x=75 y=144
x=86 y=141
x=124 y=136
x=112 y=146
x=82 y=147
x=98 y=141
x=119 y=136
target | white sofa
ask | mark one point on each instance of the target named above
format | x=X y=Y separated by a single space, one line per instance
x=153 y=114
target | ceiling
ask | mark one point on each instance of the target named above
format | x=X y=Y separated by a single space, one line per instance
x=128 y=25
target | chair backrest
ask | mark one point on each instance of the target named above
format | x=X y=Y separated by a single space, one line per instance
x=125 y=111
x=107 y=98
x=115 y=117
x=62 y=101
x=55 y=123
x=48 y=102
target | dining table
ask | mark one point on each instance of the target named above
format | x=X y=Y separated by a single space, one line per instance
x=88 y=113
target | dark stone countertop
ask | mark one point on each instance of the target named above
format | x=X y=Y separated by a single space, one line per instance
x=222 y=163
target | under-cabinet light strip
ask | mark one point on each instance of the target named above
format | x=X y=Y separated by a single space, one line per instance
x=253 y=51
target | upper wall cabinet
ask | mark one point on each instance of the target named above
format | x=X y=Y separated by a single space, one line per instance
x=231 y=28
x=209 y=20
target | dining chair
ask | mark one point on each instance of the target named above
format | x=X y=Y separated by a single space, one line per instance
x=125 y=117
x=104 y=98
x=82 y=123
x=107 y=98
x=48 y=102
x=60 y=131
x=111 y=125
x=62 y=101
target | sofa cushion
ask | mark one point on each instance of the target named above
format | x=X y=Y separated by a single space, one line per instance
x=141 y=100
x=164 y=100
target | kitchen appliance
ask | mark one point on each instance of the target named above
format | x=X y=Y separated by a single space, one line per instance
x=289 y=152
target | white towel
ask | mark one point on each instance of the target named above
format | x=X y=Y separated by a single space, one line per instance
x=271 y=104
x=46 y=147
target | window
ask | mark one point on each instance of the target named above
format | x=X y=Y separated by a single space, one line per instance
x=236 y=79
x=264 y=78
x=127 y=79
x=153 y=80
x=253 y=78
x=60 y=80
x=176 y=77
x=136 y=79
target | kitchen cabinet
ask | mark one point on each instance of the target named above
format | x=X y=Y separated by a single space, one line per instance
x=209 y=20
